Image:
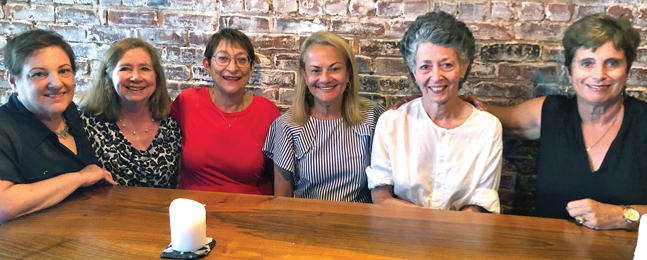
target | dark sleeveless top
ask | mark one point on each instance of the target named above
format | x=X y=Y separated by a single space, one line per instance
x=563 y=171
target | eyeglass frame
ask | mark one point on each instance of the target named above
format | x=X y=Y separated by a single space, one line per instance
x=248 y=60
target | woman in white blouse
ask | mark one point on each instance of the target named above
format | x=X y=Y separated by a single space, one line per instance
x=437 y=151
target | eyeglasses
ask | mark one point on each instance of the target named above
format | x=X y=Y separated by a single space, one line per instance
x=224 y=60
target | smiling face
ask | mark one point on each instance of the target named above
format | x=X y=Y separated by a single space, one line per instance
x=46 y=86
x=598 y=76
x=226 y=69
x=438 y=72
x=326 y=74
x=134 y=76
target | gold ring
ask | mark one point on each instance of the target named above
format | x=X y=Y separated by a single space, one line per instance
x=580 y=220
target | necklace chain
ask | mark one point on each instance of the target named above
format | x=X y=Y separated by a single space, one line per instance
x=603 y=135
x=213 y=99
x=223 y=117
x=63 y=134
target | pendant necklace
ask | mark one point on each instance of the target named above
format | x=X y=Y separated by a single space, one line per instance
x=213 y=99
x=223 y=117
x=603 y=135
x=63 y=134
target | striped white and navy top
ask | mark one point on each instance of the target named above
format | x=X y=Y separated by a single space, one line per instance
x=328 y=158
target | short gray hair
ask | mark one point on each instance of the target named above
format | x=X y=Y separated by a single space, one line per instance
x=439 y=28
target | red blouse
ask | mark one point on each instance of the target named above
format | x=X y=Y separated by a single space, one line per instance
x=218 y=158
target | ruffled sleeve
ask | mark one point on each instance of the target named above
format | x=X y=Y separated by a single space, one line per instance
x=279 y=144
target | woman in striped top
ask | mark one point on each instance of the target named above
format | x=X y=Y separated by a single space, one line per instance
x=321 y=146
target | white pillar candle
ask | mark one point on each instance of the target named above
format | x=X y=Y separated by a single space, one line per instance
x=188 y=226
x=641 y=244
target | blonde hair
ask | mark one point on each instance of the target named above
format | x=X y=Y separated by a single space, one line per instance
x=102 y=99
x=353 y=107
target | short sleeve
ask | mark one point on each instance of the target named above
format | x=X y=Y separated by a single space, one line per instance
x=8 y=156
x=279 y=145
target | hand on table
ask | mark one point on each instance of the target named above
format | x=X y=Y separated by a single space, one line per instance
x=474 y=208
x=597 y=215
x=92 y=174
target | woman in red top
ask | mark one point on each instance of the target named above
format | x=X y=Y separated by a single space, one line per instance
x=224 y=127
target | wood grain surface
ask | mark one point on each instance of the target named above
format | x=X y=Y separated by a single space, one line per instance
x=133 y=223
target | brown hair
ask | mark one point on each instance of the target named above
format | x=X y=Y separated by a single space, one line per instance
x=593 y=31
x=19 y=48
x=102 y=99
x=231 y=36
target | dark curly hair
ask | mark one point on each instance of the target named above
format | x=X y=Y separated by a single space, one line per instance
x=439 y=28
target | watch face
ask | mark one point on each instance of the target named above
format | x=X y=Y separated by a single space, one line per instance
x=631 y=214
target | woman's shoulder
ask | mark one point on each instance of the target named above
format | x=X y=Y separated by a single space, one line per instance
x=636 y=104
x=408 y=109
x=558 y=102
x=486 y=117
x=286 y=119
x=373 y=112
x=265 y=106
x=9 y=123
x=170 y=122
x=285 y=124
x=170 y=129
x=192 y=93
x=485 y=121
x=262 y=101
x=6 y=113
x=636 y=108
x=91 y=120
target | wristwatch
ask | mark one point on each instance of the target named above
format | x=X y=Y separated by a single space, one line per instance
x=630 y=214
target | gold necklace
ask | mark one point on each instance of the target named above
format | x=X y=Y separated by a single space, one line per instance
x=603 y=135
x=223 y=117
x=213 y=99
x=63 y=134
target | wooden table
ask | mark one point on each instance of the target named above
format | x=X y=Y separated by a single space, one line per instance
x=133 y=223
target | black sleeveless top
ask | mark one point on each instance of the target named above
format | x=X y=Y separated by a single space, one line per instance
x=563 y=171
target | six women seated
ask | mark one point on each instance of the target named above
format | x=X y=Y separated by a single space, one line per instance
x=437 y=151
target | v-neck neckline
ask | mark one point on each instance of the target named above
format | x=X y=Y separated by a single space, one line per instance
x=582 y=146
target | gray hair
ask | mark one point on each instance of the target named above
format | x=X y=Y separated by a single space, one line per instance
x=439 y=28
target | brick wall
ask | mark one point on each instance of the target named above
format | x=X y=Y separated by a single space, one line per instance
x=519 y=53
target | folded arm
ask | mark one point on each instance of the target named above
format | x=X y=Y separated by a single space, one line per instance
x=384 y=195
x=20 y=199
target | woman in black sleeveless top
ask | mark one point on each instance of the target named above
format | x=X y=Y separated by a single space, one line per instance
x=592 y=160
